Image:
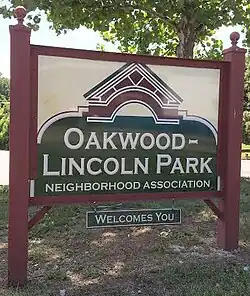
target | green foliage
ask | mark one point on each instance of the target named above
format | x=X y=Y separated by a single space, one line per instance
x=246 y=113
x=177 y=27
x=210 y=48
x=247 y=85
x=4 y=113
x=246 y=127
x=4 y=88
x=4 y=126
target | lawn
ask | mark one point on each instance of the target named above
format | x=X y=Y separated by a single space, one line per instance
x=149 y=261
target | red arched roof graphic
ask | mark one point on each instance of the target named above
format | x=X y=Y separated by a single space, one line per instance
x=133 y=82
x=133 y=75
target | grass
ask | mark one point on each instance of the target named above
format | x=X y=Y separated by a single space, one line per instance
x=150 y=261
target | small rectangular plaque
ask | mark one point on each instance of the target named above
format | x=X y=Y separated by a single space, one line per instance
x=118 y=218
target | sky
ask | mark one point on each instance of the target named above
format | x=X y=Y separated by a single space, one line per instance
x=82 y=38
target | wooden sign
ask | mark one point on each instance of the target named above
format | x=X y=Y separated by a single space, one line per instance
x=96 y=127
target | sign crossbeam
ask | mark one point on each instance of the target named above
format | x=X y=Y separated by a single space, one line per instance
x=214 y=208
x=38 y=216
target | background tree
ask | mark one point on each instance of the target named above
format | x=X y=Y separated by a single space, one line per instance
x=246 y=127
x=4 y=112
x=247 y=86
x=160 y=27
x=246 y=112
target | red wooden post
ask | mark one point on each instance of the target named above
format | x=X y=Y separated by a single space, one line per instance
x=19 y=150
x=228 y=226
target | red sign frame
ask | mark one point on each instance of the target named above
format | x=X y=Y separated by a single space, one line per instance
x=36 y=50
x=23 y=141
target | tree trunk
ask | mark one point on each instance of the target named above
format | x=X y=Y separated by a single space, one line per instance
x=186 y=34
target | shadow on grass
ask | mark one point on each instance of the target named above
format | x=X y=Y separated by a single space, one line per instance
x=163 y=260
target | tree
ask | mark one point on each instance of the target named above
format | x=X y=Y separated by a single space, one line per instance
x=246 y=112
x=4 y=88
x=4 y=112
x=246 y=127
x=247 y=86
x=160 y=27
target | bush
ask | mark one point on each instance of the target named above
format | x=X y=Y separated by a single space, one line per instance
x=4 y=112
x=246 y=127
x=4 y=125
